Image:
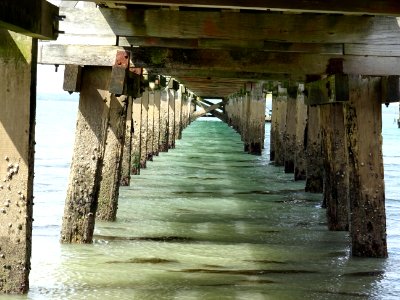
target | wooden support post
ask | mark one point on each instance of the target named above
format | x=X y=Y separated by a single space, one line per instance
x=84 y=181
x=244 y=106
x=255 y=120
x=156 y=122
x=178 y=113
x=185 y=110
x=17 y=140
x=126 y=154
x=111 y=170
x=171 y=118
x=335 y=160
x=164 y=120
x=367 y=196
x=290 y=130
x=314 y=169
x=245 y=121
x=72 y=78
x=274 y=130
x=143 y=129
x=136 y=136
x=280 y=126
x=301 y=122
x=237 y=109
x=150 y=127
x=192 y=108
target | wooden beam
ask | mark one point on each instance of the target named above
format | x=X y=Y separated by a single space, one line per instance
x=231 y=25
x=390 y=87
x=205 y=111
x=162 y=59
x=72 y=78
x=332 y=89
x=35 y=18
x=358 y=7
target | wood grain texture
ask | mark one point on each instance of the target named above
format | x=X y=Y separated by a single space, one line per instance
x=358 y=7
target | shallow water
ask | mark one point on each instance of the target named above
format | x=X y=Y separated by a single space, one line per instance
x=203 y=221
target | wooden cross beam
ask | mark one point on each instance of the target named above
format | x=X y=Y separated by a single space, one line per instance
x=35 y=18
x=221 y=60
x=231 y=26
x=358 y=7
x=205 y=110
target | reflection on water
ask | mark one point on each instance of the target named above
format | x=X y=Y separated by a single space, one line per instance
x=204 y=221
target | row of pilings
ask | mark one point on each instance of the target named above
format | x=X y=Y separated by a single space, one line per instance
x=336 y=147
x=115 y=137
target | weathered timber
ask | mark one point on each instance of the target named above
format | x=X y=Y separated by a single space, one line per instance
x=314 y=168
x=143 y=129
x=111 y=169
x=136 y=136
x=244 y=106
x=171 y=118
x=290 y=130
x=72 y=78
x=390 y=89
x=335 y=160
x=334 y=88
x=256 y=120
x=38 y=18
x=150 y=127
x=166 y=60
x=301 y=123
x=185 y=110
x=84 y=181
x=17 y=140
x=205 y=110
x=367 y=196
x=357 y=7
x=119 y=73
x=156 y=122
x=164 y=120
x=178 y=113
x=126 y=152
x=273 y=133
x=280 y=126
x=231 y=25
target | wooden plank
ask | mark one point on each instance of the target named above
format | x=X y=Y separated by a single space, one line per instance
x=162 y=59
x=35 y=18
x=358 y=7
x=372 y=49
x=231 y=25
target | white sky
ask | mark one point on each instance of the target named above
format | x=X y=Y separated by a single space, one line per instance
x=49 y=81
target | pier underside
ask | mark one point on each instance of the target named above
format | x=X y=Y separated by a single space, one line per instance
x=145 y=70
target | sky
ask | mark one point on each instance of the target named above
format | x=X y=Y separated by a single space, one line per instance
x=48 y=80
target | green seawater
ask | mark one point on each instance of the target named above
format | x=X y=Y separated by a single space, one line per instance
x=203 y=221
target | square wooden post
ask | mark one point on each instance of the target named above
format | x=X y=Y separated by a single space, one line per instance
x=17 y=140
